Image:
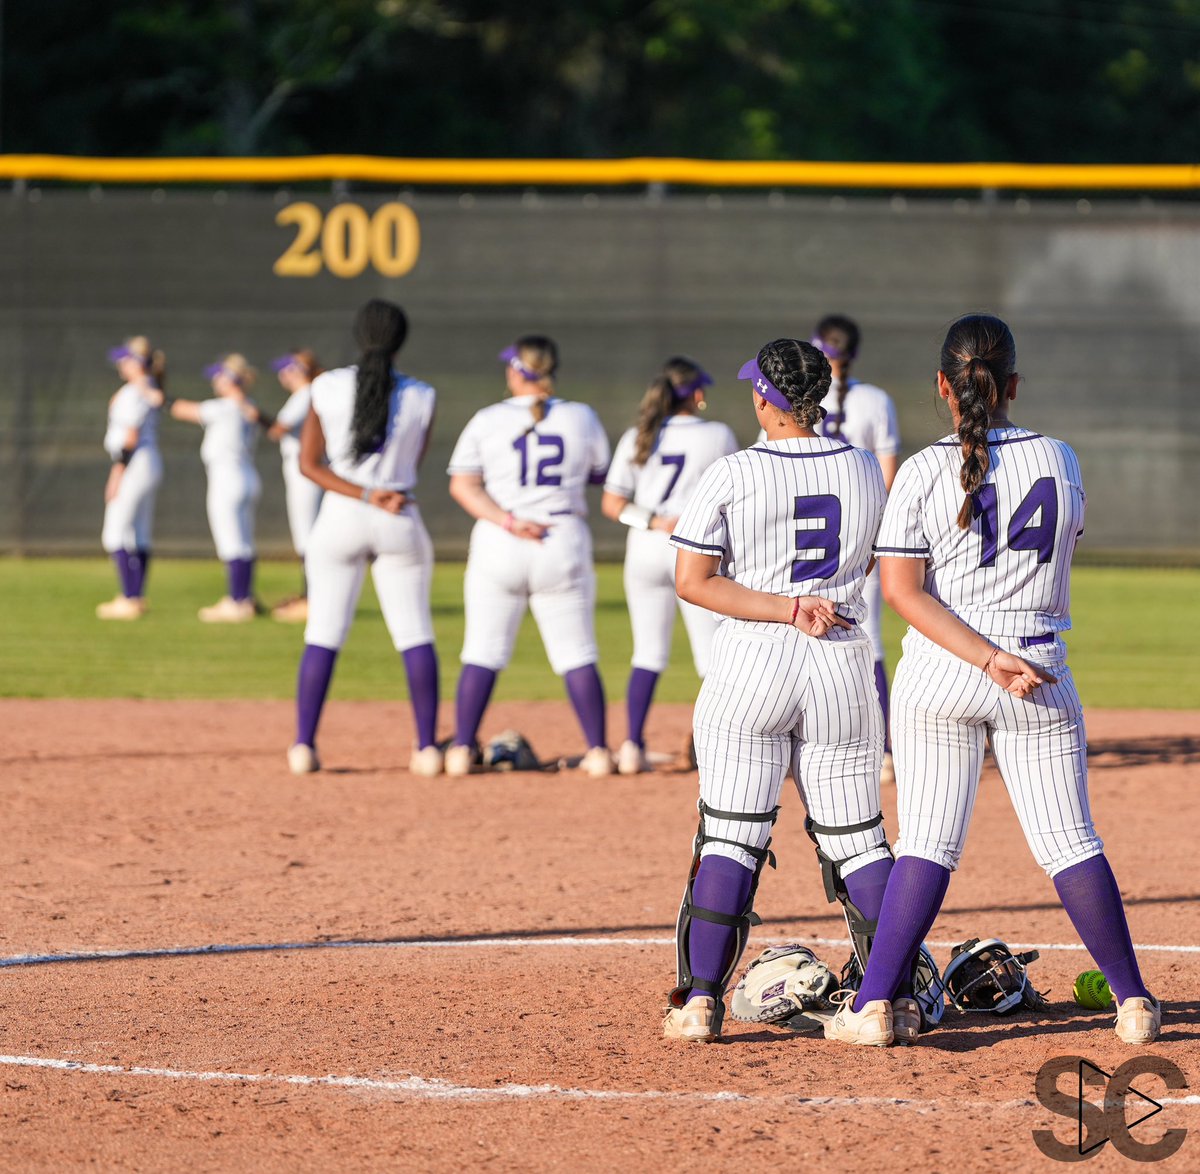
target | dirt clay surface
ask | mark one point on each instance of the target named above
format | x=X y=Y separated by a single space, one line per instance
x=443 y=974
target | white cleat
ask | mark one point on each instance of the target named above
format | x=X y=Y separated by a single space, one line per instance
x=597 y=762
x=871 y=1026
x=302 y=759
x=124 y=607
x=427 y=762
x=1139 y=1020
x=228 y=611
x=887 y=773
x=906 y=1020
x=631 y=759
x=458 y=761
x=693 y=1021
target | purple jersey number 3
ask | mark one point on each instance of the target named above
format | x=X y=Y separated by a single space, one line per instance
x=822 y=543
x=1023 y=533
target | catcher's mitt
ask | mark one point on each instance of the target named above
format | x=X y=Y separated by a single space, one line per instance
x=510 y=751
x=780 y=982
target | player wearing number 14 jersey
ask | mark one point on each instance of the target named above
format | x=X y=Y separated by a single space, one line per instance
x=520 y=468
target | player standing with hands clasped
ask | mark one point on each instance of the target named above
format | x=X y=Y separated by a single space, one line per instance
x=865 y=416
x=362 y=443
x=230 y=421
x=655 y=467
x=975 y=551
x=790 y=683
x=520 y=468
x=131 y=440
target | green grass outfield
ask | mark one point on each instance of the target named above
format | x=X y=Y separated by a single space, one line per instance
x=1135 y=644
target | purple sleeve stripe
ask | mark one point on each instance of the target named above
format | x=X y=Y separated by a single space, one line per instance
x=597 y=476
x=703 y=547
x=901 y=549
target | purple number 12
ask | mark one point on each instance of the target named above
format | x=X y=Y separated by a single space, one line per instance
x=1023 y=534
x=549 y=462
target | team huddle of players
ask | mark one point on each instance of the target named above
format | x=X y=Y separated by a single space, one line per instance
x=777 y=542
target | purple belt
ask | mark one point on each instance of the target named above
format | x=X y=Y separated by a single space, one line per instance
x=1034 y=641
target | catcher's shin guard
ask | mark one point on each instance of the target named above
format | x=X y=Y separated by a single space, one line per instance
x=862 y=929
x=740 y=923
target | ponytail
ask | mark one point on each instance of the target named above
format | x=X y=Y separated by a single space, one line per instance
x=978 y=358
x=156 y=368
x=380 y=329
x=657 y=404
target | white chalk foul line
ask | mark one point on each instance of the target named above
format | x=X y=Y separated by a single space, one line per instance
x=422 y=1088
x=564 y=941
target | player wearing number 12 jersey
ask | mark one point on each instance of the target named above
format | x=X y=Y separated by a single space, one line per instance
x=975 y=553
x=778 y=538
x=520 y=469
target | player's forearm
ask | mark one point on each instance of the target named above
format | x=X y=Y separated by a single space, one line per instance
x=725 y=597
x=476 y=501
x=915 y=605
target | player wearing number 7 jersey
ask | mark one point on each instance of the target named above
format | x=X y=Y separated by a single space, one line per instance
x=520 y=469
x=778 y=538
x=983 y=580
x=654 y=470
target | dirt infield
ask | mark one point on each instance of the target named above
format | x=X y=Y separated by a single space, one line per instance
x=144 y=826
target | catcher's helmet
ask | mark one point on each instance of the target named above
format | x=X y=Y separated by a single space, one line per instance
x=985 y=975
x=510 y=751
x=928 y=988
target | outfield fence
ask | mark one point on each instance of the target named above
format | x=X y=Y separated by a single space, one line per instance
x=1104 y=298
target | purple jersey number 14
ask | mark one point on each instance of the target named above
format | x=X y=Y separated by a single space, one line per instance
x=1040 y=502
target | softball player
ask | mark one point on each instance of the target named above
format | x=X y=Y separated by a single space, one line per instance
x=520 y=468
x=230 y=421
x=975 y=549
x=295 y=371
x=131 y=440
x=865 y=416
x=655 y=467
x=362 y=442
x=764 y=528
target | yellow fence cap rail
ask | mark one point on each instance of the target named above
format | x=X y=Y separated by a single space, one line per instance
x=588 y=172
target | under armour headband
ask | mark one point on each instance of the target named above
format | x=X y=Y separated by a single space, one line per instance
x=283 y=362
x=763 y=386
x=512 y=357
x=830 y=351
x=683 y=390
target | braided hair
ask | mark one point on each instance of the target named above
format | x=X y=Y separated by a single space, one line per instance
x=978 y=358
x=802 y=373
x=380 y=329
x=843 y=335
x=660 y=402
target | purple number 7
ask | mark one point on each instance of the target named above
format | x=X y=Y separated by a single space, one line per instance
x=821 y=541
x=677 y=461
x=1023 y=533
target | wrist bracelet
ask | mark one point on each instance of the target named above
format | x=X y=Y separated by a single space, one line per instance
x=795 y=609
x=987 y=664
x=366 y=494
x=509 y=522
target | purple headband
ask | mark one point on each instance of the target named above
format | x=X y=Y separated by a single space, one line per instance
x=763 y=386
x=215 y=369
x=830 y=351
x=683 y=390
x=511 y=356
x=123 y=352
x=283 y=362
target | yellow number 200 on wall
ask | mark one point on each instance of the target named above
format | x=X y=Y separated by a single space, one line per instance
x=346 y=239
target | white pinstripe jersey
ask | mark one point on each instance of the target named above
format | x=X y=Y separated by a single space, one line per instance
x=790 y=517
x=867 y=419
x=410 y=412
x=229 y=438
x=534 y=470
x=1010 y=573
x=292 y=416
x=684 y=448
x=128 y=410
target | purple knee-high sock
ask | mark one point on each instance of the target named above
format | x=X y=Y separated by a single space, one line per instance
x=722 y=885
x=866 y=887
x=121 y=560
x=638 y=695
x=914 y=895
x=139 y=567
x=881 y=687
x=241 y=575
x=586 y=691
x=421 y=666
x=1090 y=896
x=475 y=686
x=312 y=684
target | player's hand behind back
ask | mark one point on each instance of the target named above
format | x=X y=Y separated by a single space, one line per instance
x=534 y=531
x=392 y=501
x=1019 y=677
x=816 y=616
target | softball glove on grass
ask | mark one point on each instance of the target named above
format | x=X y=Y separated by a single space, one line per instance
x=780 y=982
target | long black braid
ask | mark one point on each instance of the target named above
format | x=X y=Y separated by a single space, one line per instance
x=380 y=329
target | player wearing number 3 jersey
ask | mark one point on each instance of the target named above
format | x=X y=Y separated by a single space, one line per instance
x=778 y=538
x=520 y=469
x=655 y=468
x=983 y=579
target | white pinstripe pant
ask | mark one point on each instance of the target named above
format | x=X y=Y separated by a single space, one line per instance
x=773 y=698
x=943 y=709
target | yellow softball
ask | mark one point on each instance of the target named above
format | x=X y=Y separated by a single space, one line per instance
x=1091 y=991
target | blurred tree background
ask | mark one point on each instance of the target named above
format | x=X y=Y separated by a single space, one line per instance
x=937 y=80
